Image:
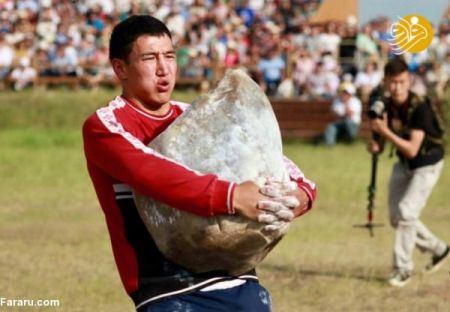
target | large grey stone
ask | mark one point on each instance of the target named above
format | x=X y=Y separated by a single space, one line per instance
x=232 y=132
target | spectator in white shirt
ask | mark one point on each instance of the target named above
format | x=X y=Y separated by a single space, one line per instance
x=304 y=67
x=6 y=53
x=347 y=109
x=329 y=41
x=24 y=75
x=369 y=79
x=6 y=57
x=322 y=83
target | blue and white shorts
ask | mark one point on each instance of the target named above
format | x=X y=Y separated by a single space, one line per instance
x=247 y=297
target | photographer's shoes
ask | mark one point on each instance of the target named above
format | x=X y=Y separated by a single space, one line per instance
x=437 y=261
x=399 y=278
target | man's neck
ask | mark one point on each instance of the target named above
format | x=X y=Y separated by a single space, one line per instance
x=158 y=110
x=401 y=102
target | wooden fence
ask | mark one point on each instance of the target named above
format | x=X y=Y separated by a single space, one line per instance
x=308 y=119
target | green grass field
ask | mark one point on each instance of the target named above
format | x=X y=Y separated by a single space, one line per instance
x=54 y=243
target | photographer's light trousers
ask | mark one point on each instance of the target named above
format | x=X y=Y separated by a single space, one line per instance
x=408 y=194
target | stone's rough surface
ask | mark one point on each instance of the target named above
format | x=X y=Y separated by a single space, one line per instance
x=233 y=133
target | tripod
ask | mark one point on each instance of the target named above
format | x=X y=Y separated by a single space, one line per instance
x=371 y=197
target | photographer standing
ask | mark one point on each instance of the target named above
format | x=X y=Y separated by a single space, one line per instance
x=411 y=124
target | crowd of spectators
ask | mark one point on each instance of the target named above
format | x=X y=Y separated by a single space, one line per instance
x=273 y=39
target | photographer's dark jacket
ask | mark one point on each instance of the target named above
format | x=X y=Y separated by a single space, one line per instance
x=419 y=113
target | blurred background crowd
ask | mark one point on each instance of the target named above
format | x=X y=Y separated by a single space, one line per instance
x=283 y=46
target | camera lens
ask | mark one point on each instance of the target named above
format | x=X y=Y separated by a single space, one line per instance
x=376 y=110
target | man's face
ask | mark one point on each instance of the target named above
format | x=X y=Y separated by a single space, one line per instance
x=398 y=86
x=149 y=74
x=345 y=96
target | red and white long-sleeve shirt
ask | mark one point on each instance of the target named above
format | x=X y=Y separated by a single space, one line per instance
x=118 y=160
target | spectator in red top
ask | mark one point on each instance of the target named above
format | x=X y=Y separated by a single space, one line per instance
x=232 y=58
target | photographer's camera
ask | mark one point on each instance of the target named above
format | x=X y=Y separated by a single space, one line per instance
x=376 y=110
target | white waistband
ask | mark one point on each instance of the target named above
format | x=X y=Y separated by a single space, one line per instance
x=224 y=285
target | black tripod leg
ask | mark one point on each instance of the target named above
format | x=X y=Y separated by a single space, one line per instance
x=372 y=190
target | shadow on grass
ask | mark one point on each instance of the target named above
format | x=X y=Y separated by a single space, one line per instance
x=319 y=141
x=289 y=270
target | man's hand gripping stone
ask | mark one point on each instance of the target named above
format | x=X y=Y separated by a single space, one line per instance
x=279 y=209
x=271 y=204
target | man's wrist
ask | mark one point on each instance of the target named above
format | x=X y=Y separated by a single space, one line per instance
x=309 y=190
x=308 y=193
x=389 y=135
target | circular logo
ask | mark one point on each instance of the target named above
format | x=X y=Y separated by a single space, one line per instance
x=412 y=33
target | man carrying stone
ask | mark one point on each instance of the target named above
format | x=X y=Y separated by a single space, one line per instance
x=118 y=160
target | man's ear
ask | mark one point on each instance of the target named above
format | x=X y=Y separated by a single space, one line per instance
x=119 y=68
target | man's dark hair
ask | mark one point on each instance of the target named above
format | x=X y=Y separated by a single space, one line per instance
x=126 y=33
x=395 y=67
